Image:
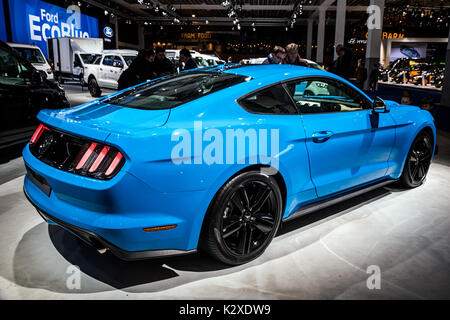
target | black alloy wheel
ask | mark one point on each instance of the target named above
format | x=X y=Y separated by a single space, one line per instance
x=94 y=89
x=243 y=219
x=418 y=161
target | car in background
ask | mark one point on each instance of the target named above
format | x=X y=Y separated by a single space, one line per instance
x=105 y=71
x=35 y=56
x=24 y=91
x=206 y=60
x=125 y=173
x=70 y=55
x=202 y=59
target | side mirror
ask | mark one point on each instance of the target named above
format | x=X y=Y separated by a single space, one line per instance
x=379 y=105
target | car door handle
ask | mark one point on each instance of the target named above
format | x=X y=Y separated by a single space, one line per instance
x=321 y=136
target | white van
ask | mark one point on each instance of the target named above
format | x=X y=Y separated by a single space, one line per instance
x=34 y=55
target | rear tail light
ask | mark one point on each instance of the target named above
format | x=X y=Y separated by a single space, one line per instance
x=75 y=155
x=37 y=133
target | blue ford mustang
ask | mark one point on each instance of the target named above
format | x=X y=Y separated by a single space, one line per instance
x=217 y=157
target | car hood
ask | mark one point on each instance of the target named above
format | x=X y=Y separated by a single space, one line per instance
x=98 y=120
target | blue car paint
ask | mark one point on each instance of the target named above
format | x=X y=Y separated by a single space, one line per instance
x=150 y=190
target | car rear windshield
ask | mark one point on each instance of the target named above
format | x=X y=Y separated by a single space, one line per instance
x=175 y=90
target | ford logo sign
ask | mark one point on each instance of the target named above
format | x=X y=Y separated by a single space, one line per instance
x=108 y=31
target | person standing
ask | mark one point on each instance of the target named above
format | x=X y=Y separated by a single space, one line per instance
x=140 y=70
x=186 y=58
x=276 y=56
x=373 y=78
x=361 y=74
x=293 y=57
x=162 y=65
x=342 y=66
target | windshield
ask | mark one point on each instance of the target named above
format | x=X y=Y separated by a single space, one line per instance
x=129 y=59
x=89 y=58
x=31 y=54
x=175 y=90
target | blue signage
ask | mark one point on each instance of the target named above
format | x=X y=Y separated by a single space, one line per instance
x=2 y=23
x=108 y=31
x=34 y=21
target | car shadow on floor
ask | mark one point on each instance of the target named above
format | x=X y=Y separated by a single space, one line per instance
x=37 y=264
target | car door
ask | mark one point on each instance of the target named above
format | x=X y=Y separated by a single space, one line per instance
x=275 y=111
x=348 y=144
x=118 y=65
x=105 y=70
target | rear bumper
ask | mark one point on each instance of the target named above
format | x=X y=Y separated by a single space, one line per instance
x=102 y=245
x=113 y=214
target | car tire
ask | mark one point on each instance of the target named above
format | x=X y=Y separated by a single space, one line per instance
x=417 y=161
x=242 y=219
x=94 y=89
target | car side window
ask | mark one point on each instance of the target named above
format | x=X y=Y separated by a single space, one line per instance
x=117 y=62
x=97 y=60
x=326 y=95
x=11 y=70
x=273 y=100
x=108 y=60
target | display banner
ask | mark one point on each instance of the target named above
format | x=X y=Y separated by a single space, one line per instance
x=408 y=50
x=34 y=21
x=2 y=23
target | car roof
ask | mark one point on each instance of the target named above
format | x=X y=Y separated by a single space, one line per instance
x=120 y=51
x=273 y=72
x=266 y=74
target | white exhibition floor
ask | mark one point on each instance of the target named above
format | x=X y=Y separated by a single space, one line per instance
x=324 y=255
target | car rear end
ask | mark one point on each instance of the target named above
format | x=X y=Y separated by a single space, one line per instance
x=104 y=170
x=78 y=180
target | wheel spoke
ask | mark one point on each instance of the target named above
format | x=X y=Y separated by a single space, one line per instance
x=238 y=202
x=248 y=240
x=244 y=197
x=421 y=171
x=232 y=231
x=414 y=171
x=242 y=240
x=263 y=225
x=260 y=198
